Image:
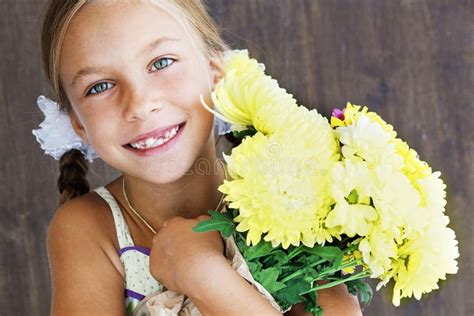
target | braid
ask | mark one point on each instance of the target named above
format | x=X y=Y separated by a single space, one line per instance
x=72 y=180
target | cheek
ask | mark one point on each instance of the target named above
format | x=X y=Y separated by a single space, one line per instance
x=189 y=82
x=99 y=124
x=185 y=90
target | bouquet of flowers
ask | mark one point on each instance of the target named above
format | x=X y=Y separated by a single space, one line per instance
x=314 y=203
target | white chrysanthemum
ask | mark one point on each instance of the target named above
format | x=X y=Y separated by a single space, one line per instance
x=395 y=199
x=423 y=259
x=434 y=191
x=351 y=189
x=369 y=141
x=378 y=248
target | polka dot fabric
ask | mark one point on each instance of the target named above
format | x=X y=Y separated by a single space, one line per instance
x=135 y=259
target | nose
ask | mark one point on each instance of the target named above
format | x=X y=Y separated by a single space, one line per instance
x=140 y=104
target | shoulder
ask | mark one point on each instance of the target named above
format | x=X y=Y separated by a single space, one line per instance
x=85 y=216
x=85 y=222
x=82 y=255
x=86 y=219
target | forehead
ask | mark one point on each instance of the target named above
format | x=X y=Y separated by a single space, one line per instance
x=121 y=30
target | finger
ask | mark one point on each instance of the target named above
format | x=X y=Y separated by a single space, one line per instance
x=167 y=221
x=155 y=238
x=203 y=217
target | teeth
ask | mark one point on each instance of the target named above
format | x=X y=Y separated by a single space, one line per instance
x=152 y=142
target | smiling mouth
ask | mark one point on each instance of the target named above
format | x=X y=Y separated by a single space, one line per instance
x=155 y=141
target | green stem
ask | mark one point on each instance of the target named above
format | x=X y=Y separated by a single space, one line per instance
x=344 y=266
x=298 y=250
x=357 y=276
x=350 y=248
x=330 y=271
x=295 y=252
x=299 y=272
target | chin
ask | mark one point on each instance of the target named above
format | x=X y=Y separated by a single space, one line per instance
x=159 y=171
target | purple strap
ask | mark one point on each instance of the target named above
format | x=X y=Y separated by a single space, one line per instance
x=143 y=250
x=133 y=294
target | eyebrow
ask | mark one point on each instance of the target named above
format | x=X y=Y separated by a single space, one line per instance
x=157 y=43
x=148 y=48
x=85 y=72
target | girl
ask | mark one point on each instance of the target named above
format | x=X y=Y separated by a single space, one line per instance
x=129 y=75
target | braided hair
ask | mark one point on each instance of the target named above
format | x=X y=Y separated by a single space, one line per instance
x=72 y=180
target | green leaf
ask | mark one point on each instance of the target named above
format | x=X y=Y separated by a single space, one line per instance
x=268 y=279
x=240 y=242
x=327 y=252
x=312 y=274
x=311 y=304
x=316 y=310
x=290 y=295
x=280 y=257
x=250 y=131
x=218 y=221
x=305 y=259
x=263 y=248
x=254 y=267
x=312 y=297
x=364 y=290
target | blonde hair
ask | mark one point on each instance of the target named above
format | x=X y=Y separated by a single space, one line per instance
x=57 y=17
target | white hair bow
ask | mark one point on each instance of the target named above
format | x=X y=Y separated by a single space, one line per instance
x=57 y=136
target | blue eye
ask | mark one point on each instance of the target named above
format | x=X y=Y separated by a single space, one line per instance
x=100 y=87
x=162 y=63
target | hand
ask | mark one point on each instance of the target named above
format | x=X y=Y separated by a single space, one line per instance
x=335 y=301
x=177 y=252
x=194 y=264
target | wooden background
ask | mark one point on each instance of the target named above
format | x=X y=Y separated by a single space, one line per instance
x=411 y=61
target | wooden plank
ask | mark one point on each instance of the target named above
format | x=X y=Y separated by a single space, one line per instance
x=411 y=61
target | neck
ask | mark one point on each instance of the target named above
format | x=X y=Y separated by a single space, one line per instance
x=190 y=196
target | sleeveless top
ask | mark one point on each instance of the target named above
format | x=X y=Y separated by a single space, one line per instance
x=135 y=259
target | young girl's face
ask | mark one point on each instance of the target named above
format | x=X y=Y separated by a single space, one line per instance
x=130 y=71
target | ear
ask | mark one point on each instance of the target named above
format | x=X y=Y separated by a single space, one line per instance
x=78 y=127
x=216 y=65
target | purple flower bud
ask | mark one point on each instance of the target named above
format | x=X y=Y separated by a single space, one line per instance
x=338 y=114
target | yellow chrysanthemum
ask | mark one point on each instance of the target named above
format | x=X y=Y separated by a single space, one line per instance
x=238 y=60
x=414 y=168
x=245 y=96
x=314 y=131
x=322 y=233
x=351 y=257
x=352 y=113
x=423 y=259
x=300 y=179
x=278 y=187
